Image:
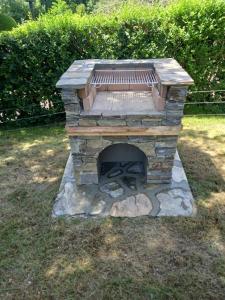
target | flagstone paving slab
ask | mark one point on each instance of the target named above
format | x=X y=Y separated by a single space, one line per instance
x=174 y=199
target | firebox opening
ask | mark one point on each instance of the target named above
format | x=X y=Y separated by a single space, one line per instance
x=122 y=162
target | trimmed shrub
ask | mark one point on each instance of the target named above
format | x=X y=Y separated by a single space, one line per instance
x=34 y=55
x=6 y=22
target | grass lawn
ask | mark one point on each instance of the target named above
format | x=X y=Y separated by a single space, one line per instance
x=141 y=258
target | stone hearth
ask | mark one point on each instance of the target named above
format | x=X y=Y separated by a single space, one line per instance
x=125 y=195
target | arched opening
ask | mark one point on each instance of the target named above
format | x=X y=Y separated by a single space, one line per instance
x=122 y=163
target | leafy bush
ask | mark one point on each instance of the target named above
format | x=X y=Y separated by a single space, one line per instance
x=34 y=55
x=59 y=7
x=80 y=9
x=6 y=22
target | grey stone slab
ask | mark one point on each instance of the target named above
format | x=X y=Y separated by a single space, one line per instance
x=134 y=123
x=144 y=114
x=168 y=71
x=74 y=74
x=112 y=122
x=133 y=206
x=71 y=82
x=175 y=202
x=175 y=78
x=87 y=122
x=174 y=199
x=174 y=105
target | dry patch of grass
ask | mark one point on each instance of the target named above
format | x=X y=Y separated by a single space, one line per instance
x=142 y=258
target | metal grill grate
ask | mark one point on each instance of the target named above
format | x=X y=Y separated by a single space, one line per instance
x=112 y=77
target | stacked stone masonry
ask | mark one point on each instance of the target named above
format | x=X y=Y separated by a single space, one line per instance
x=159 y=150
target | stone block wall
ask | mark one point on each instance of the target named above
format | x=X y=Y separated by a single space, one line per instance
x=174 y=107
x=160 y=150
x=171 y=115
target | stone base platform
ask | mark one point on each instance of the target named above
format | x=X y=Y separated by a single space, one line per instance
x=112 y=199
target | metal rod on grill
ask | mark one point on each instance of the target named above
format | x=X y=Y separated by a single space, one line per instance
x=109 y=77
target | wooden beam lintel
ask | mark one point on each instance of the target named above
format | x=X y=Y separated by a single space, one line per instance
x=123 y=131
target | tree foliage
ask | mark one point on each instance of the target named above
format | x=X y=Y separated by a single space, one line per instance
x=17 y=9
x=22 y=10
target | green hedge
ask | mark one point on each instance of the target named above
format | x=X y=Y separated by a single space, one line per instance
x=34 y=55
x=6 y=23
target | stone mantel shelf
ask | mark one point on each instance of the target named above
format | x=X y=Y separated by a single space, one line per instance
x=168 y=70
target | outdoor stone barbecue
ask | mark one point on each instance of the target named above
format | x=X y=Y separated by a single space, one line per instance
x=123 y=118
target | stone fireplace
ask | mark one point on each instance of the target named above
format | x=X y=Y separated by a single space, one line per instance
x=123 y=118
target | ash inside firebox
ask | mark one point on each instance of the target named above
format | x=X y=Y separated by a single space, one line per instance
x=122 y=178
